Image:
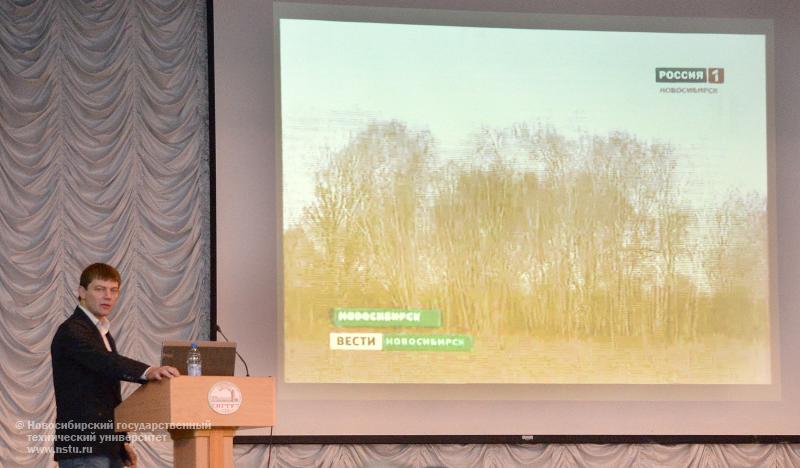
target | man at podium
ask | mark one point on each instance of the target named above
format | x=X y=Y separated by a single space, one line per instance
x=87 y=371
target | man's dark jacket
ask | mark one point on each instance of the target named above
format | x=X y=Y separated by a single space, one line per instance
x=86 y=378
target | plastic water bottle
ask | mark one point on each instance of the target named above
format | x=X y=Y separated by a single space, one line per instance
x=194 y=363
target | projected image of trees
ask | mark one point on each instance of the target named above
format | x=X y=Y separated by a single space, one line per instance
x=573 y=259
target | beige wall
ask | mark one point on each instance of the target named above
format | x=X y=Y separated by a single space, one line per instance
x=247 y=255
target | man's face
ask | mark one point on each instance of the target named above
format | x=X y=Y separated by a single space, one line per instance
x=99 y=297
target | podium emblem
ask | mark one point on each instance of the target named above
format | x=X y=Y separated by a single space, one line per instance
x=224 y=397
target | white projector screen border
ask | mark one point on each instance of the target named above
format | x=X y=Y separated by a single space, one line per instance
x=551 y=409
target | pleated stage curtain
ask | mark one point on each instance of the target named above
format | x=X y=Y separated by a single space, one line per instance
x=519 y=456
x=103 y=157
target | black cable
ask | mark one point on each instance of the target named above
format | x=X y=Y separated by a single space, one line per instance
x=269 y=450
x=246 y=370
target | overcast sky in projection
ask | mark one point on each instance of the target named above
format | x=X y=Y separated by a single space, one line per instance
x=336 y=77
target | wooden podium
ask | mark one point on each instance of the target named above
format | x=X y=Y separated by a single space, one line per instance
x=201 y=414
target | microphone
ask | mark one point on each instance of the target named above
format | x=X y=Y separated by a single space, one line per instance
x=246 y=370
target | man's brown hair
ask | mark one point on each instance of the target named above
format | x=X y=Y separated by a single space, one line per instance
x=99 y=271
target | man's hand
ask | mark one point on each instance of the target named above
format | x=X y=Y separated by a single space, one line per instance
x=131 y=461
x=157 y=373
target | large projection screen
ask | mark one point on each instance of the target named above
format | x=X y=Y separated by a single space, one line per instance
x=496 y=223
